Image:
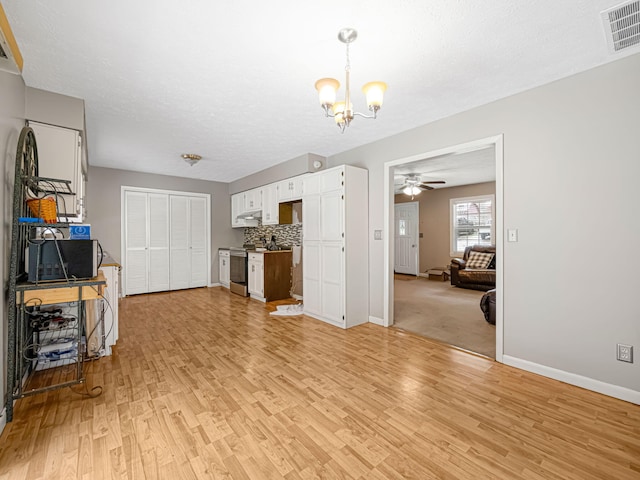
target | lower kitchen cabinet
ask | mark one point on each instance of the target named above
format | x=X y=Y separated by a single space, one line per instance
x=225 y=268
x=270 y=275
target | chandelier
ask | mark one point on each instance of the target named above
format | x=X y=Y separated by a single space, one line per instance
x=342 y=112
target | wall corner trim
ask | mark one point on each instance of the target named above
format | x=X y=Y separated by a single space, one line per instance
x=608 y=389
x=3 y=419
x=376 y=320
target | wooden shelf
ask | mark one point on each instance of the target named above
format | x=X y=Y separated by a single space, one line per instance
x=61 y=292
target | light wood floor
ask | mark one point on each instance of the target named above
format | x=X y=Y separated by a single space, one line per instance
x=206 y=384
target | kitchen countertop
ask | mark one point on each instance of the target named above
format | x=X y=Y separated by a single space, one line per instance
x=108 y=261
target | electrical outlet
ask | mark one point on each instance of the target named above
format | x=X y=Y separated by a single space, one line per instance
x=377 y=234
x=625 y=353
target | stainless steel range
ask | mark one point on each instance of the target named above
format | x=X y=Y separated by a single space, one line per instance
x=238 y=263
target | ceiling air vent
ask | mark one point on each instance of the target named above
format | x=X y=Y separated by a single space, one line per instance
x=622 y=26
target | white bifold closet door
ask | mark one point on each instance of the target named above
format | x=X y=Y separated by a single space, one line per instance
x=147 y=242
x=188 y=242
x=165 y=242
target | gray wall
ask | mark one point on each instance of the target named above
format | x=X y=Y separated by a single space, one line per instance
x=12 y=117
x=571 y=169
x=290 y=168
x=55 y=109
x=103 y=207
x=435 y=220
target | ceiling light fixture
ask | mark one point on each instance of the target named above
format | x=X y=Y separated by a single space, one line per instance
x=191 y=158
x=411 y=190
x=327 y=88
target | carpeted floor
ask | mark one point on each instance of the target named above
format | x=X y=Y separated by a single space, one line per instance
x=448 y=314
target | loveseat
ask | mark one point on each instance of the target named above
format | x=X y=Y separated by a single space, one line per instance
x=476 y=269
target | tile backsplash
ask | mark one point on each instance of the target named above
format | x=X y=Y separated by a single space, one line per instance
x=285 y=234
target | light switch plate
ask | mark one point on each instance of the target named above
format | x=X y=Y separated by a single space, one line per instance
x=512 y=235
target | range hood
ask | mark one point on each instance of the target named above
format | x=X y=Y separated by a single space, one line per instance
x=251 y=215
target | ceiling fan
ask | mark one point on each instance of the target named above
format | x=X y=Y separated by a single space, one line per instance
x=413 y=185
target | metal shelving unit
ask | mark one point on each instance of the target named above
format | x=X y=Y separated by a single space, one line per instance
x=28 y=328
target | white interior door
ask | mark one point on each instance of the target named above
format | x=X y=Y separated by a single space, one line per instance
x=158 y=242
x=179 y=242
x=406 y=238
x=136 y=258
x=198 y=242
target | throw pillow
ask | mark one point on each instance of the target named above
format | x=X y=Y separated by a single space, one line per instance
x=479 y=260
x=492 y=263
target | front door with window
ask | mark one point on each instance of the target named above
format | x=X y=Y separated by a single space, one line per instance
x=406 y=238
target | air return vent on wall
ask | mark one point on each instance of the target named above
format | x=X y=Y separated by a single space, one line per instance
x=622 y=26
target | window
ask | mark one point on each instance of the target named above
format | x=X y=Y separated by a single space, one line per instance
x=472 y=221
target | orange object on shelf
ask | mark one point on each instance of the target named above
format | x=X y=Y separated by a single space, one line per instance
x=44 y=208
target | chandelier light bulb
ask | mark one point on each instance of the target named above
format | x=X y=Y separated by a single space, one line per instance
x=374 y=92
x=327 y=91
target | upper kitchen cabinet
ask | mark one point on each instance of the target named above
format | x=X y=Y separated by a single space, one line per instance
x=290 y=189
x=270 y=210
x=60 y=110
x=59 y=125
x=59 y=157
x=253 y=200
x=238 y=210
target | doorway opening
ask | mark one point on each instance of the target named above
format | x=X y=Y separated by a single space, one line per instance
x=475 y=168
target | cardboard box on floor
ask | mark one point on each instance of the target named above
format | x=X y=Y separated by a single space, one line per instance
x=438 y=274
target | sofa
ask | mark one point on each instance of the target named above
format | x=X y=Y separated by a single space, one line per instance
x=476 y=269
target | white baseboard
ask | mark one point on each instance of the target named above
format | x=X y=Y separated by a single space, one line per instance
x=609 y=389
x=215 y=285
x=376 y=320
x=297 y=297
x=425 y=275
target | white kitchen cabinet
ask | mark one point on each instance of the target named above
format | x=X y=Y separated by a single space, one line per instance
x=165 y=240
x=237 y=209
x=60 y=157
x=224 y=268
x=290 y=189
x=146 y=237
x=335 y=246
x=188 y=242
x=270 y=205
x=253 y=200
x=255 y=284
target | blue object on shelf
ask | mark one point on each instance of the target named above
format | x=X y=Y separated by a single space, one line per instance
x=30 y=220
x=80 y=231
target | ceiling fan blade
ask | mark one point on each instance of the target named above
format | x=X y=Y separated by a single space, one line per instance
x=425 y=187
x=434 y=181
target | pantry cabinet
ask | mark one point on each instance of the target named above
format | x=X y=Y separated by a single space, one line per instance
x=335 y=246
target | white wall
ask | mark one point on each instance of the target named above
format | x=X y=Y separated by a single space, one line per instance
x=571 y=168
x=12 y=115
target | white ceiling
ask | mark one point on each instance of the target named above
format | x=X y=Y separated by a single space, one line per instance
x=457 y=169
x=234 y=81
